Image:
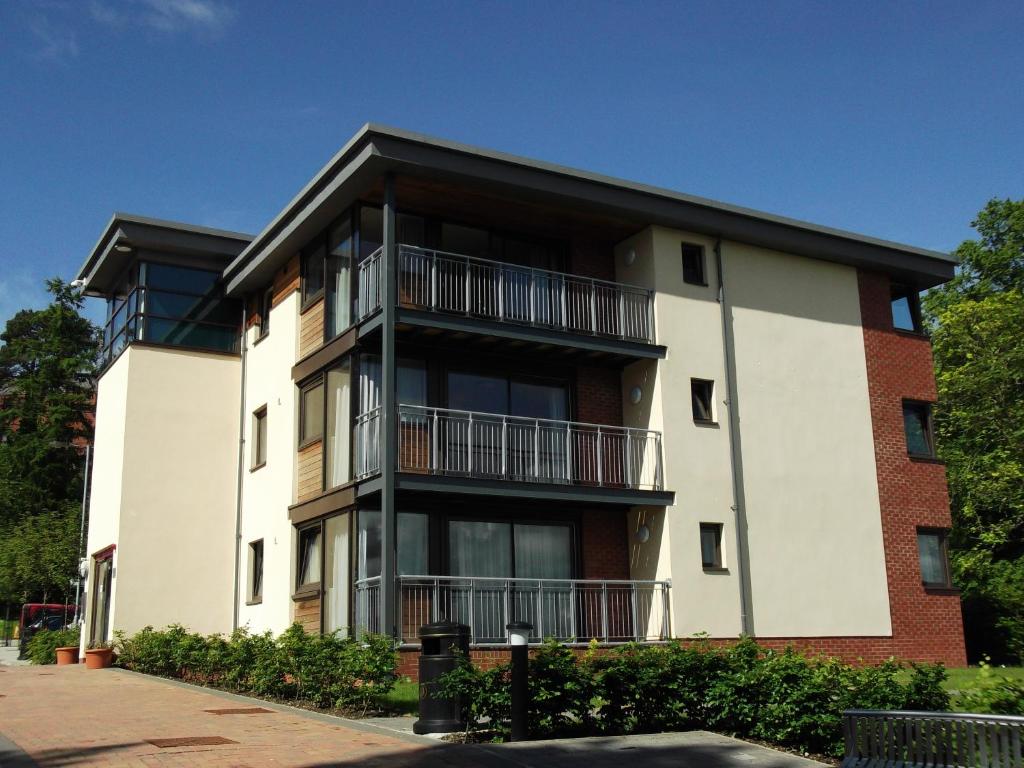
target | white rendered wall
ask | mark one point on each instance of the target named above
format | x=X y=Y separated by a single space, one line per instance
x=267 y=492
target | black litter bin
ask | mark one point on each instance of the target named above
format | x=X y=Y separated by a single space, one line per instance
x=441 y=642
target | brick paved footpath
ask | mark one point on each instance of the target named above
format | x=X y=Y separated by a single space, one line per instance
x=68 y=715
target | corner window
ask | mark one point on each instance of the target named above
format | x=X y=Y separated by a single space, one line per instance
x=266 y=300
x=693 y=264
x=313 y=271
x=259 y=438
x=711 y=545
x=917 y=426
x=702 y=398
x=906 y=310
x=256 y=571
x=933 y=552
x=308 y=571
x=311 y=413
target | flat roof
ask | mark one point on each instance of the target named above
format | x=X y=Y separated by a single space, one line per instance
x=376 y=150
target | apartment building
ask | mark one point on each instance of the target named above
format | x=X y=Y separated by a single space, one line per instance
x=450 y=382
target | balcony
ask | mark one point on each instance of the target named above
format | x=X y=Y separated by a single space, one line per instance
x=487 y=446
x=574 y=610
x=454 y=285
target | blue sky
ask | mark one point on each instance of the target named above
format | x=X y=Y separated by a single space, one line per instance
x=897 y=120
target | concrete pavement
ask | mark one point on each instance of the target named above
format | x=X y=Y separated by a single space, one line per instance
x=63 y=716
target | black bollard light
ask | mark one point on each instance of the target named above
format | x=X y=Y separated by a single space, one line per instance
x=519 y=638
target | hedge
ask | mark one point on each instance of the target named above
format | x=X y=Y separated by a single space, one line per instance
x=785 y=697
x=325 y=671
x=42 y=646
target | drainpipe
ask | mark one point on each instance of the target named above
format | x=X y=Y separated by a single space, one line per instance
x=735 y=451
x=241 y=470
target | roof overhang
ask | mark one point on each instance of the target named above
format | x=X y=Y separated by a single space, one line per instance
x=128 y=235
x=376 y=150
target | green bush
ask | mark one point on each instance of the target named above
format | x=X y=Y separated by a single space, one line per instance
x=994 y=694
x=42 y=646
x=783 y=697
x=322 y=670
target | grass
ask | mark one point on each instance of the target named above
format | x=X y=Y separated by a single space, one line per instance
x=963 y=678
x=404 y=698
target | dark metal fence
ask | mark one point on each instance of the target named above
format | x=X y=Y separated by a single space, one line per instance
x=900 y=739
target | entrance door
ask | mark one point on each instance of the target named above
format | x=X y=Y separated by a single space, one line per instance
x=99 y=624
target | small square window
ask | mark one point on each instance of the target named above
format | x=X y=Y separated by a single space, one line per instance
x=906 y=310
x=308 y=571
x=711 y=545
x=311 y=413
x=259 y=438
x=693 y=264
x=917 y=426
x=256 y=571
x=702 y=397
x=933 y=553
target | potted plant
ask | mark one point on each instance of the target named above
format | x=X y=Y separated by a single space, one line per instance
x=67 y=654
x=99 y=656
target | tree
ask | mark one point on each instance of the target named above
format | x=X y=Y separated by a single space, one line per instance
x=977 y=326
x=47 y=369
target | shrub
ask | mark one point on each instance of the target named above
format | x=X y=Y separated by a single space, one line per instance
x=994 y=694
x=323 y=670
x=784 y=697
x=42 y=646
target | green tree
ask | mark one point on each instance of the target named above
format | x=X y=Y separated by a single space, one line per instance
x=47 y=370
x=977 y=326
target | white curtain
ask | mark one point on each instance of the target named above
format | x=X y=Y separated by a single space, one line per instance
x=339 y=419
x=543 y=551
x=336 y=574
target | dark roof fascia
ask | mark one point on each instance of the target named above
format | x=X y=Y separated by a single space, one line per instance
x=390 y=149
x=160 y=235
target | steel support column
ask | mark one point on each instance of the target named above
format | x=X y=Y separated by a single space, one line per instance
x=389 y=416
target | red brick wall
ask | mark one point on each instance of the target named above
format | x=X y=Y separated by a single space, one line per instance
x=925 y=625
x=599 y=396
x=605 y=544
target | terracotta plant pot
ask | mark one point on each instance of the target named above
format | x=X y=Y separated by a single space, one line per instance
x=67 y=655
x=98 y=658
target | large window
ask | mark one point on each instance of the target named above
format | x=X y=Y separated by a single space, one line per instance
x=338 y=426
x=171 y=305
x=338 y=304
x=933 y=553
x=411 y=534
x=337 y=578
x=917 y=426
x=507 y=395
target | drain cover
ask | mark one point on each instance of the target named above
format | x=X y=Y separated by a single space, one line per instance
x=190 y=741
x=241 y=711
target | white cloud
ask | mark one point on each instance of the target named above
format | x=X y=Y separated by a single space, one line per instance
x=52 y=43
x=165 y=15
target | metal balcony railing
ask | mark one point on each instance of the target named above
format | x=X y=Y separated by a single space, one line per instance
x=485 y=445
x=569 y=610
x=492 y=290
x=366 y=435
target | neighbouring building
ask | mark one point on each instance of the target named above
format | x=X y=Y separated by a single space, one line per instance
x=450 y=382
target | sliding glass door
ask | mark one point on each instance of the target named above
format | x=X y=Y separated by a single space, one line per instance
x=537 y=556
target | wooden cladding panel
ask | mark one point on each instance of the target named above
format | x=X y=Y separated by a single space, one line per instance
x=310 y=474
x=307 y=614
x=286 y=279
x=311 y=329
